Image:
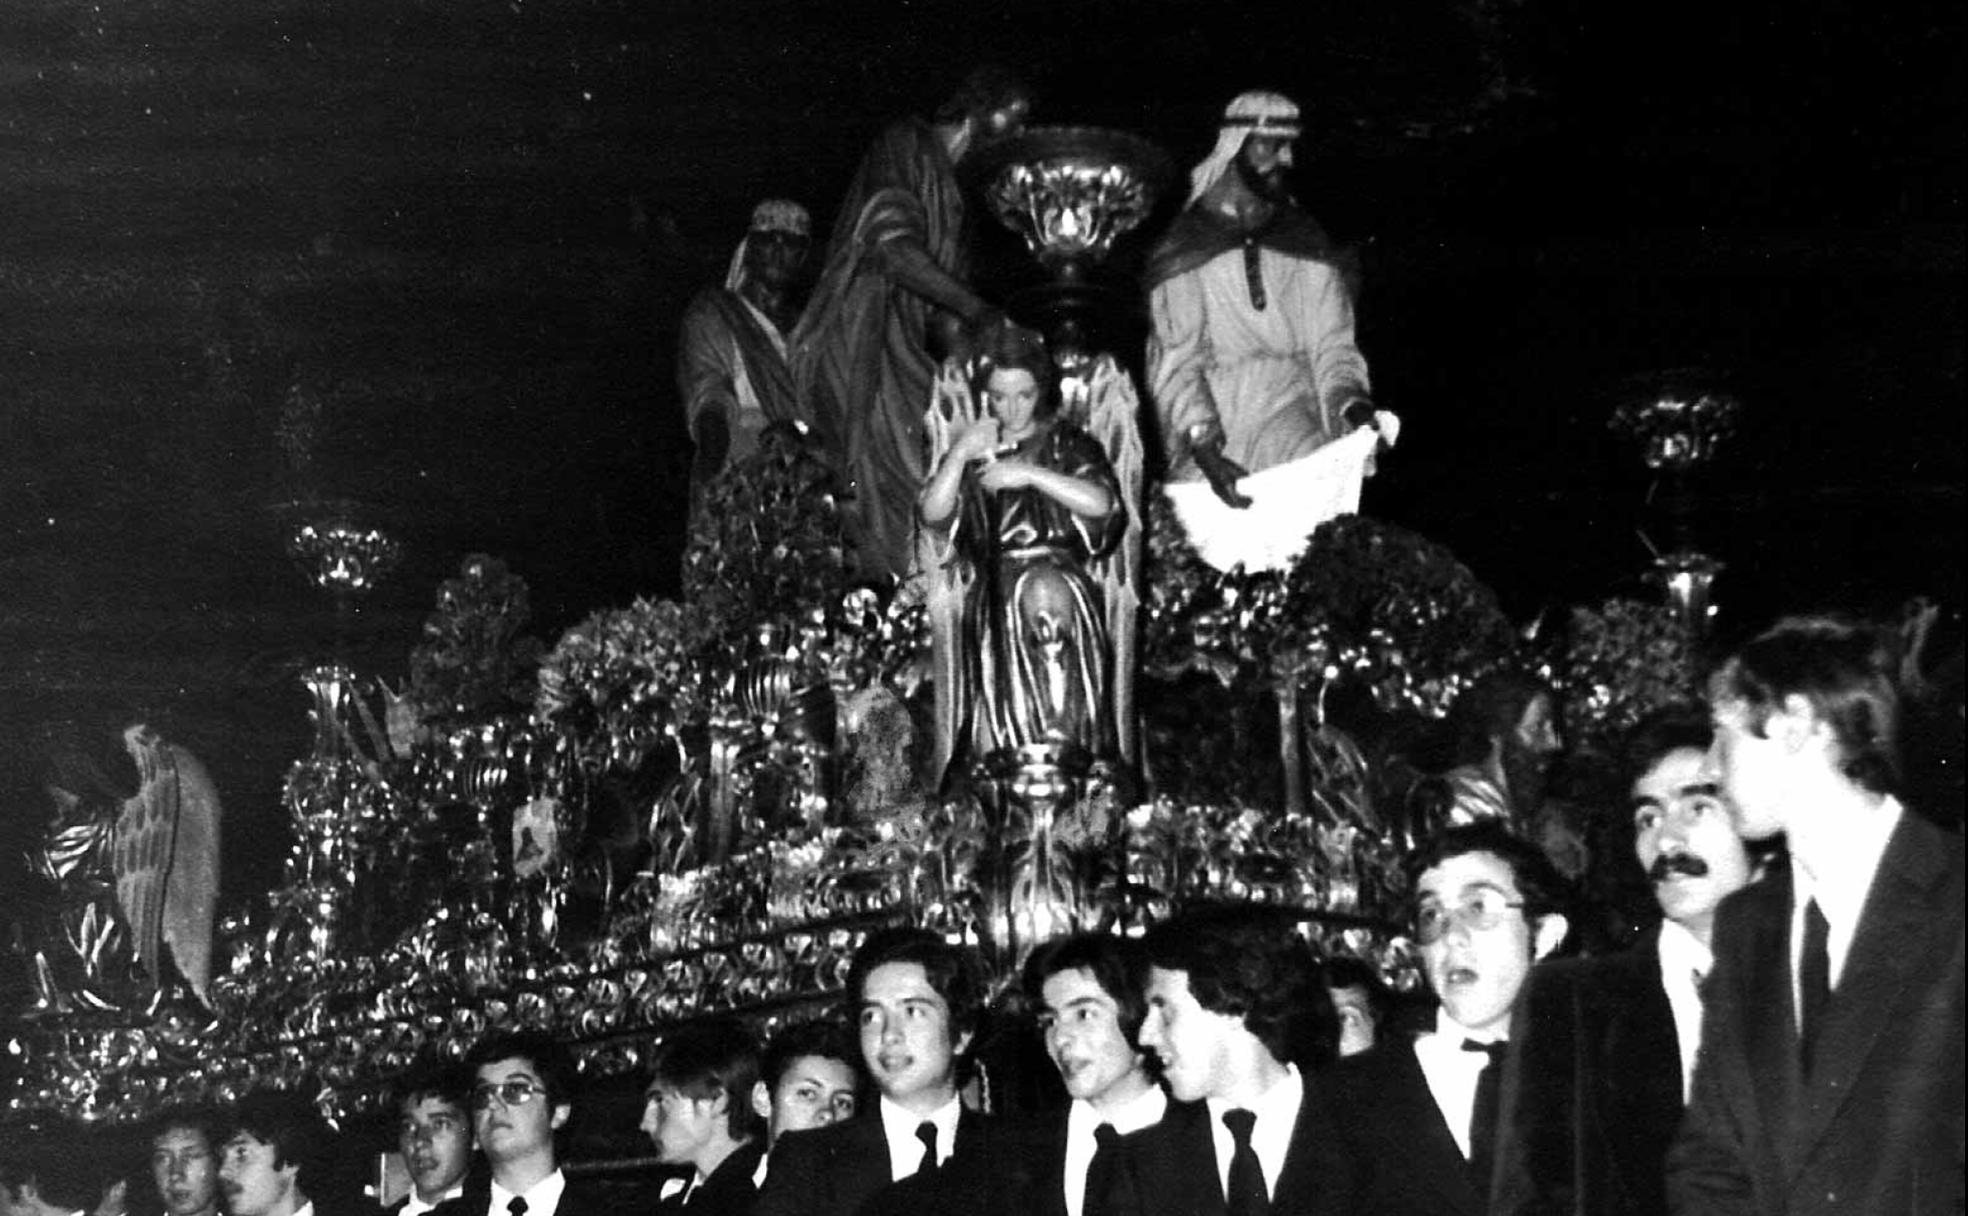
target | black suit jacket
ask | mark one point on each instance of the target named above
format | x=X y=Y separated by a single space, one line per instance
x=727 y=1192
x=1591 y=1090
x=1406 y=1156
x=843 y=1170
x=1877 y=1126
x=581 y=1198
x=1170 y=1169
x=1032 y=1171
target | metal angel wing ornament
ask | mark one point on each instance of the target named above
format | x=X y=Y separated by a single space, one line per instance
x=167 y=860
x=1113 y=419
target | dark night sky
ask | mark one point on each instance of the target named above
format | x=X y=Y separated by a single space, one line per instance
x=464 y=229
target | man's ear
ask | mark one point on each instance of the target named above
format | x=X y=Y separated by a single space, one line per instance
x=762 y=1099
x=1795 y=722
x=561 y=1114
x=961 y=1043
x=1549 y=935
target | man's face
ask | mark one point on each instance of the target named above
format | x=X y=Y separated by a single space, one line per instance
x=1262 y=163
x=435 y=1138
x=1537 y=731
x=508 y=1130
x=1686 y=839
x=1083 y=1035
x=906 y=1036
x=1753 y=771
x=1475 y=971
x=775 y=257
x=680 y=1126
x=814 y=1091
x=1194 y=1044
x=186 y=1173
x=253 y=1185
x=1356 y=1024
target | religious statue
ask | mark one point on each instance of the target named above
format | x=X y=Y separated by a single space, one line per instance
x=731 y=353
x=1017 y=517
x=894 y=280
x=135 y=882
x=1252 y=360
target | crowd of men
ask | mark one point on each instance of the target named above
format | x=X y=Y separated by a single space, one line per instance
x=1787 y=1040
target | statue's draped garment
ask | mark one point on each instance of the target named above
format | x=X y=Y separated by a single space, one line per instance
x=860 y=356
x=730 y=357
x=1035 y=624
x=1273 y=377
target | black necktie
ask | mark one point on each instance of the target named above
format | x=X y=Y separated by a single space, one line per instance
x=926 y=1132
x=1813 y=979
x=1247 y=1196
x=517 y=1207
x=1483 y=1115
x=1100 y=1170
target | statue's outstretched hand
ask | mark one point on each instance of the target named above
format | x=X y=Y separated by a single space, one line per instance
x=1223 y=474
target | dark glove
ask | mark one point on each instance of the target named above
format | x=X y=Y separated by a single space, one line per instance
x=1222 y=473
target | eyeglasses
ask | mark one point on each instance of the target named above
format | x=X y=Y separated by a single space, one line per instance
x=516 y=1092
x=1482 y=909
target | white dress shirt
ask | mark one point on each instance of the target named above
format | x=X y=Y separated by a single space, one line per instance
x=1841 y=897
x=899 y=1129
x=1145 y=1110
x=1684 y=963
x=1452 y=1073
x=542 y=1198
x=1277 y=1114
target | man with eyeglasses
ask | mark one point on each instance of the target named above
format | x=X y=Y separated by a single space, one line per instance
x=697 y=1112
x=434 y=1135
x=184 y=1162
x=1605 y=1052
x=1419 y=1114
x=522 y=1095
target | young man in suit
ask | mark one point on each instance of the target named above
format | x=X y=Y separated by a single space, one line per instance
x=1090 y=993
x=522 y=1095
x=809 y=1076
x=917 y=1000
x=1239 y=1017
x=1831 y=1076
x=184 y=1161
x=434 y=1134
x=1605 y=1052
x=698 y=1113
x=1418 y=1114
x=273 y=1156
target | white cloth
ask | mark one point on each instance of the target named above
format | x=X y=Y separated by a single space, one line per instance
x=542 y=1198
x=1684 y=962
x=1081 y=1122
x=1452 y=1073
x=899 y=1129
x=1841 y=896
x=1287 y=503
x=1277 y=1114
x=758 y=1171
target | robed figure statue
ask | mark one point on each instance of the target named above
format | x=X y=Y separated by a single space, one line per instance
x=1018 y=518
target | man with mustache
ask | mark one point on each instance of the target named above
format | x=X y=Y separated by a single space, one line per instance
x=273 y=1160
x=1251 y=360
x=1606 y=1057
x=434 y=1135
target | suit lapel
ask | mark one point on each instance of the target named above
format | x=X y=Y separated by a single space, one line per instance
x=1768 y=1025
x=1639 y=1069
x=1191 y=1173
x=1413 y=1117
x=1889 y=948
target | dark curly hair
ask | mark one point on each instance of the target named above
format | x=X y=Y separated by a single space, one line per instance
x=1249 y=962
x=953 y=971
x=710 y=1058
x=1118 y=964
x=1538 y=881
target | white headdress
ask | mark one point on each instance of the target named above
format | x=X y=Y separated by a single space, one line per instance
x=772 y=215
x=1255 y=113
